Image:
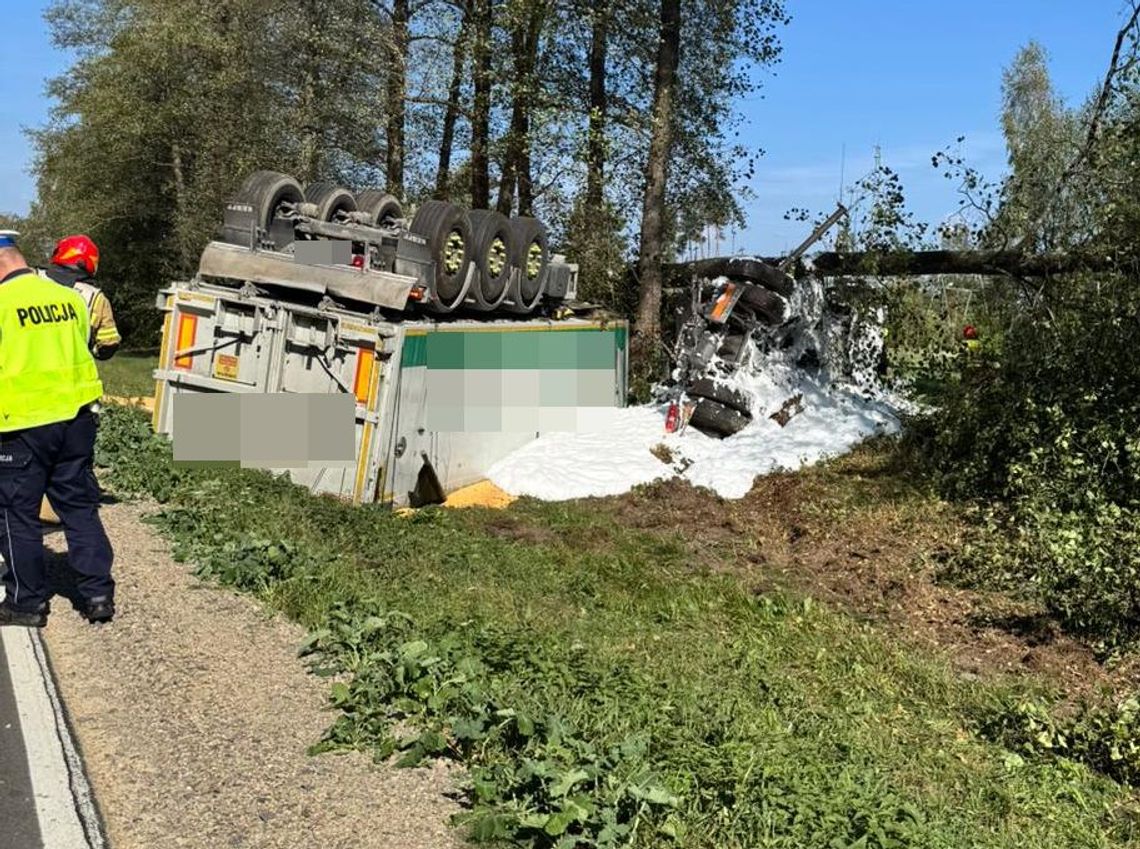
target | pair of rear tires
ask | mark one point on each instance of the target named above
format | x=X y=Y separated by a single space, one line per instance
x=271 y=194
x=335 y=202
x=495 y=245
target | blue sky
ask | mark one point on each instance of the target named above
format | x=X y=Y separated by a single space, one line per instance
x=908 y=76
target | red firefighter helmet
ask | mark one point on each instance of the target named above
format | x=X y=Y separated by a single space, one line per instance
x=77 y=252
x=970 y=332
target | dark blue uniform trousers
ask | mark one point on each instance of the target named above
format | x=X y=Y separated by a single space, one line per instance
x=56 y=459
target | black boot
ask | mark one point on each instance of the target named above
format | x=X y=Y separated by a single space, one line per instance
x=99 y=609
x=23 y=618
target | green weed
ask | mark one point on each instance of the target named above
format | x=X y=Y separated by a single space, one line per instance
x=601 y=691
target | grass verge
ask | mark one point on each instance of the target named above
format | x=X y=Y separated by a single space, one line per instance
x=603 y=690
x=129 y=374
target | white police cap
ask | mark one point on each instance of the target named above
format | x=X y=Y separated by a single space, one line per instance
x=8 y=238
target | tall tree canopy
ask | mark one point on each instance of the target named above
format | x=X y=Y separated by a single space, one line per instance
x=542 y=107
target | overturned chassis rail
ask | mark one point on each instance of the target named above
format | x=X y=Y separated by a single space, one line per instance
x=384 y=289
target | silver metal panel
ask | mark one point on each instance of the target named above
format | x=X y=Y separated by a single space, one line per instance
x=277 y=269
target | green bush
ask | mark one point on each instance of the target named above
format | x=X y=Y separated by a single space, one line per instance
x=1047 y=428
x=1106 y=738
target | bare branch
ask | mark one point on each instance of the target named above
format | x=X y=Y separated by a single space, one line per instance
x=1101 y=105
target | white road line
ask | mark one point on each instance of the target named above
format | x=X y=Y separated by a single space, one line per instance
x=58 y=809
x=81 y=792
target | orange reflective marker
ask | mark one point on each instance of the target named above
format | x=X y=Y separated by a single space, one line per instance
x=362 y=383
x=187 y=333
x=722 y=303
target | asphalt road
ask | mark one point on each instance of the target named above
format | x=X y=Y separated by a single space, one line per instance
x=45 y=800
x=19 y=820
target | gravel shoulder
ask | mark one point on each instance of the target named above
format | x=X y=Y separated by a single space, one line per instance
x=193 y=713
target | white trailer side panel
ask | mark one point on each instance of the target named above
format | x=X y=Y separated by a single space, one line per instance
x=447 y=399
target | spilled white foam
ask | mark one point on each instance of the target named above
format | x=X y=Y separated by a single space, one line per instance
x=559 y=466
x=843 y=402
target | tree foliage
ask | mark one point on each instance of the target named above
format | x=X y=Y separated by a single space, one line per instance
x=507 y=103
x=1041 y=429
x=170 y=105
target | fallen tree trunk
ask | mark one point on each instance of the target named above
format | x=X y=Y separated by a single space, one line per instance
x=917 y=263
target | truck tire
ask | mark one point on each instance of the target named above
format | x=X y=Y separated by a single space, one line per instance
x=448 y=233
x=734 y=399
x=750 y=270
x=383 y=209
x=715 y=419
x=769 y=307
x=531 y=258
x=329 y=199
x=492 y=240
x=266 y=191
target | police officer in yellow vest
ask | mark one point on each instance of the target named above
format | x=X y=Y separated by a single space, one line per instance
x=74 y=263
x=48 y=382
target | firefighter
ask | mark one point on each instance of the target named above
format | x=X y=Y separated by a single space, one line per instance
x=48 y=384
x=971 y=345
x=74 y=263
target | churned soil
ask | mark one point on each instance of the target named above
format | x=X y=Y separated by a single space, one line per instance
x=193 y=713
x=857 y=537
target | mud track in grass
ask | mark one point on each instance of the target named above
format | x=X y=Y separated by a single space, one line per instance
x=854 y=534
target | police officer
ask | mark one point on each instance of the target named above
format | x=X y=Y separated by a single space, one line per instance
x=74 y=263
x=48 y=382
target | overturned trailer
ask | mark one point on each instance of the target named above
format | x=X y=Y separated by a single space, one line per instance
x=458 y=337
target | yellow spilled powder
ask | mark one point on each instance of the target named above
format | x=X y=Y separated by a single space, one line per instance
x=147 y=403
x=481 y=494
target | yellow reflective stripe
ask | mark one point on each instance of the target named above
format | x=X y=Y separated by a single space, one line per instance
x=107 y=334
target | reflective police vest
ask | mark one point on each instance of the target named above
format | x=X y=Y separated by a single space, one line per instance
x=47 y=372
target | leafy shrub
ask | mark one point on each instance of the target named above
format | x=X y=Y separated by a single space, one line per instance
x=1049 y=431
x=539 y=780
x=140 y=459
x=1106 y=739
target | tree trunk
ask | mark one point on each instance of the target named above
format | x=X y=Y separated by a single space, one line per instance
x=397 y=94
x=924 y=263
x=481 y=115
x=524 y=51
x=648 y=317
x=595 y=141
x=917 y=263
x=526 y=185
x=447 y=139
x=185 y=259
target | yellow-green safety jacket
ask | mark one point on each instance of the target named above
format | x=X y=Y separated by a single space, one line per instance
x=47 y=373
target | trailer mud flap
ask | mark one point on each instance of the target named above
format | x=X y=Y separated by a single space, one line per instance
x=428 y=488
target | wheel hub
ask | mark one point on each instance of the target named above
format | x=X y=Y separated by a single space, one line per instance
x=453 y=251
